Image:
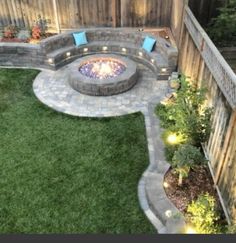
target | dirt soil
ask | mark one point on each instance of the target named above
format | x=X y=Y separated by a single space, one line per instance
x=198 y=182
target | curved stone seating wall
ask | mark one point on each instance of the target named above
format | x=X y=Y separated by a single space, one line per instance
x=57 y=51
x=22 y=55
x=61 y=49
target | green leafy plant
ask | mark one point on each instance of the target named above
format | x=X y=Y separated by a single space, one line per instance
x=185 y=158
x=10 y=31
x=231 y=229
x=222 y=28
x=185 y=112
x=202 y=214
x=162 y=111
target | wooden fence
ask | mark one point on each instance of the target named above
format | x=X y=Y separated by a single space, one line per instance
x=200 y=60
x=73 y=14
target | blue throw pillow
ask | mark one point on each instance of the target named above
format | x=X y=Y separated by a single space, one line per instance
x=80 y=38
x=148 y=43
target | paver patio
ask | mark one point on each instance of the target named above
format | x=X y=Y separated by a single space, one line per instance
x=52 y=89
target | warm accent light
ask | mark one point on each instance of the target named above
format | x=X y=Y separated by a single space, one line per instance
x=50 y=60
x=190 y=230
x=164 y=70
x=166 y=185
x=85 y=49
x=152 y=60
x=172 y=139
x=68 y=54
x=167 y=37
x=124 y=49
x=168 y=213
x=105 y=48
x=140 y=54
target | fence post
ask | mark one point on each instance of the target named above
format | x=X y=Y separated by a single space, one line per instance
x=56 y=16
x=180 y=37
x=113 y=11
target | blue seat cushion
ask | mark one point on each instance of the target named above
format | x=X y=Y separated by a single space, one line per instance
x=148 y=44
x=80 y=38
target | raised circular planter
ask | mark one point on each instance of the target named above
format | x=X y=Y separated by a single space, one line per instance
x=107 y=86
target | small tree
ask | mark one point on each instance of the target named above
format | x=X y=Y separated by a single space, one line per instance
x=203 y=216
x=185 y=158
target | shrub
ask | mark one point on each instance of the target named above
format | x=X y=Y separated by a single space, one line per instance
x=231 y=229
x=203 y=216
x=170 y=151
x=186 y=112
x=170 y=148
x=222 y=28
x=10 y=31
x=185 y=158
x=162 y=112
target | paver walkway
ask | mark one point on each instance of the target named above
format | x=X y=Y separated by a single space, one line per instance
x=52 y=89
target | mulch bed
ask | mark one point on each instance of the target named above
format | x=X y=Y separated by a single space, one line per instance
x=198 y=182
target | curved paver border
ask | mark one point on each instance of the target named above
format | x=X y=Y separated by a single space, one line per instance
x=157 y=206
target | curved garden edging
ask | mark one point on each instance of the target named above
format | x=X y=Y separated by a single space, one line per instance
x=158 y=208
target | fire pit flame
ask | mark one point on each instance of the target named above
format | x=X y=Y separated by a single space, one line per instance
x=102 y=68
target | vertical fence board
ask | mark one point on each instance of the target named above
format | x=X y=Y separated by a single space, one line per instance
x=227 y=178
x=176 y=21
x=74 y=14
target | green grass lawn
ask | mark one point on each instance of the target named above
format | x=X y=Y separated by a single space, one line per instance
x=62 y=174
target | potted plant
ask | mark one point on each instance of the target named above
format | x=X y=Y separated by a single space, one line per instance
x=10 y=32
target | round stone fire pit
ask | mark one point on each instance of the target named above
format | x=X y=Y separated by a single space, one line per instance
x=103 y=75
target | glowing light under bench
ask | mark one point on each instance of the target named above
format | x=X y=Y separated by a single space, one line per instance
x=50 y=60
x=140 y=54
